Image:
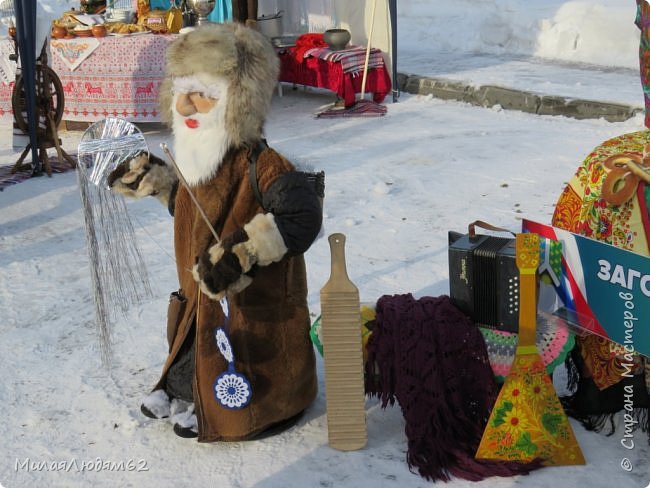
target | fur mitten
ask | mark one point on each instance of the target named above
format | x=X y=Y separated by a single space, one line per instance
x=141 y=176
x=226 y=267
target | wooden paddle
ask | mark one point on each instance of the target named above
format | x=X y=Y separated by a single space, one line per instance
x=342 y=355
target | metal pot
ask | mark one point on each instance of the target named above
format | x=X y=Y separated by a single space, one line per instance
x=202 y=9
x=271 y=25
x=337 y=39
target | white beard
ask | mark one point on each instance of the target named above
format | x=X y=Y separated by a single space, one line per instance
x=200 y=151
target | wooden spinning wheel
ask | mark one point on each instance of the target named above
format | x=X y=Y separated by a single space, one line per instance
x=49 y=98
x=49 y=111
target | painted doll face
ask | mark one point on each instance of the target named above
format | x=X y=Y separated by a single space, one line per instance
x=190 y=103
x=195 y=97
x=201 y=138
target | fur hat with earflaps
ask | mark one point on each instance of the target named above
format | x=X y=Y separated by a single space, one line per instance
x=244 y=57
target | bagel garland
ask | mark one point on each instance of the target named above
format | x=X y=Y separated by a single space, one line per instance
x=624 y=171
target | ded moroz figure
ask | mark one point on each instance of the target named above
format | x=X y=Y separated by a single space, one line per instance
x=219 y=83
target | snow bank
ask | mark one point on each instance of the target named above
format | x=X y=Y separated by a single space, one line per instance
x=598 y=32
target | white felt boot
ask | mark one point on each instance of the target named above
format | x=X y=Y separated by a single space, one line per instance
x=156 y=405
x=183 y=419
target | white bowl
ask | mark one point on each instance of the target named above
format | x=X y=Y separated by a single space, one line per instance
x=120 y=15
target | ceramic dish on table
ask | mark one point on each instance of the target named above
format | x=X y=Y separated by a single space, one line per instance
x=126 y=34
x=337 y=39
x=59 y=32
x=82 y=31
x=99 y=30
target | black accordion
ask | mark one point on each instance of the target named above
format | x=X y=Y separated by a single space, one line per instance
x=484 y=279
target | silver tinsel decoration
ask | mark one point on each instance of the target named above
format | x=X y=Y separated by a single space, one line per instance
x=118 y=273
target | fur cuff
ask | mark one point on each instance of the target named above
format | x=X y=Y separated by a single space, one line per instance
x=163 y=180
x=265 y=243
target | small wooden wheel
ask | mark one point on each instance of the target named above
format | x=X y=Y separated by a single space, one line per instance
x=49 y=99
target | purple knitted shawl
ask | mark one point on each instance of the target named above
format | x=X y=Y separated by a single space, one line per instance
x=431 y=358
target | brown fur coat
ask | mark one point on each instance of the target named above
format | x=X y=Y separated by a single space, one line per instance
x=269 y=320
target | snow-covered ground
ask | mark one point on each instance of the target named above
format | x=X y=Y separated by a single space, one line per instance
x=394 y=185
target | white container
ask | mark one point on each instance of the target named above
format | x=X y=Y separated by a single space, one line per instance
x=270 y=26
x=119 y=15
